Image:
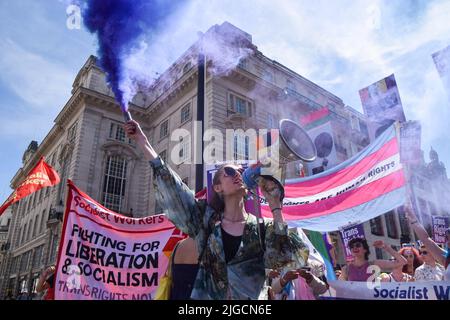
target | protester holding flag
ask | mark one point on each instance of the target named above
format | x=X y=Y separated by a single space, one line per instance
x=430 y=247
x=232 y=258
x=358 y=269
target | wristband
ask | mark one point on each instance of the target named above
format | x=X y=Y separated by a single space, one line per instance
x=275 y=209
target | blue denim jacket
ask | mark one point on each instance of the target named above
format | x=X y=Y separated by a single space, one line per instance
x=241 y=278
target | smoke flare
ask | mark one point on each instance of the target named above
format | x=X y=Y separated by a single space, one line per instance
x=120 y=26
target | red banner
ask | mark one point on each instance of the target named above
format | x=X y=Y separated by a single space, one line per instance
x=106 y=256
x=42 y=175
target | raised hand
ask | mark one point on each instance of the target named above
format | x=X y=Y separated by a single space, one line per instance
x=379 y=244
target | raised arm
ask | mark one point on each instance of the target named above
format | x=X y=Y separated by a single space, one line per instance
x=134 y=131
x=435 y=250
x=42 y=283
x=176 y=199
x=386 y=264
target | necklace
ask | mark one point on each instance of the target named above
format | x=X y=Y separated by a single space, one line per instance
x=234 y=221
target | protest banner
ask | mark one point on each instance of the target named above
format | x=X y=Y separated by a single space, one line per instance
x=381 y=101
x=440 y=225
x=427 y=290
x=106 y=256
x=348 y=233
x=361 y=188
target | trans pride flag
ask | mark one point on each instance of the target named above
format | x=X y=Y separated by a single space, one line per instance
x=363 y=187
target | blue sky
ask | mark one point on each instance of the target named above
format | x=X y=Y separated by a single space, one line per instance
x=341 y=45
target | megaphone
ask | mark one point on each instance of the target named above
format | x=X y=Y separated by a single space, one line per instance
x=292 y=143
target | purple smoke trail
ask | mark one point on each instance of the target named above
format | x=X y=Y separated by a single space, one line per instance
x=120 y=25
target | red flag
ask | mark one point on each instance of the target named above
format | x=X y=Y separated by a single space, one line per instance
x=42 y=175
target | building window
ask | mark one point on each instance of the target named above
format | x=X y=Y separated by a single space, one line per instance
x=117 y=132
x=35 y=194
x=34 y=286
x=241 y=147
x=35 y=228
x=114 y=182
x=239 y=105
x=23 y=285
x=72 y=133
x=30 y=230
x=185 y=149
x=185 y=113
x=24 y=261
x=163 y=155
x=376 y=226
x=24 y=233
x=43 y=219
x=391 y=225
x=53 y=249
x=164 y=129
x=37 y=258
x=243 y=64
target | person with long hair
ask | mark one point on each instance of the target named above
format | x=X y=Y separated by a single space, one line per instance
x=358 y=269
x=411 y=255
x=396 y=275
x=232 y=257
x=430 y=252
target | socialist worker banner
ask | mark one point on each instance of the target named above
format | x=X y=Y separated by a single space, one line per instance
x=107 y=256
x=427 y=290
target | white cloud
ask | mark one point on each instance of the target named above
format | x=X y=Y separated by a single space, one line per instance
x=40 y=83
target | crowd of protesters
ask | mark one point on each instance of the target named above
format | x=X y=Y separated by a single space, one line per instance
x=229 y=254
x=239 y=257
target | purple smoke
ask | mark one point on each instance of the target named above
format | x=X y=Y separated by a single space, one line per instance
x=120 y=26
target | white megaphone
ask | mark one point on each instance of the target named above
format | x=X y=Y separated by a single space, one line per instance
x=292 y=143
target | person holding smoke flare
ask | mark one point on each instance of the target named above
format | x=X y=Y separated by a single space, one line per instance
x=232 y=259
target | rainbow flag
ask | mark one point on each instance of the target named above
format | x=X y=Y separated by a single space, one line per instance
x=363 y=187
x=315 y=118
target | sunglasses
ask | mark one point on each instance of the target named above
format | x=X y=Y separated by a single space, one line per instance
x=409 y=256
x=231 y=172
x=356 y=245
x=423 y=253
